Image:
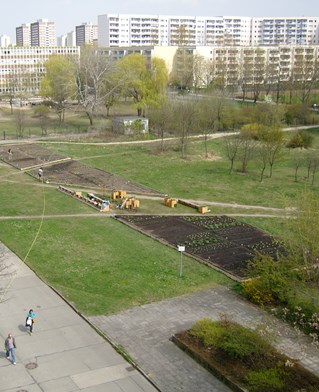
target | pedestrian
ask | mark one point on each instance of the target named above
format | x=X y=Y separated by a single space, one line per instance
x=10 y=346
x=29 y=321
x=40 y=174
x=10 y=154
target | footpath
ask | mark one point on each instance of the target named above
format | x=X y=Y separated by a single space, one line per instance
x=64 y=353
x=145 y=332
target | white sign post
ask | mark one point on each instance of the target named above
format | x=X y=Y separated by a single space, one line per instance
x=181 y=248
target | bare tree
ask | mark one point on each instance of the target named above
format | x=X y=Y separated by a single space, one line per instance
x=92 y=72
x=232 y=145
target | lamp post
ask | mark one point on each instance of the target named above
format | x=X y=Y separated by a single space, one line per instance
x=181 y=248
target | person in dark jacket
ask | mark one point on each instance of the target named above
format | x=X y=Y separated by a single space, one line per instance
x=10 y=346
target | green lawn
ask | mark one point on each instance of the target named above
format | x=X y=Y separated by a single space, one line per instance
x=101 y=265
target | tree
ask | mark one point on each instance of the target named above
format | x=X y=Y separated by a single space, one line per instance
x=160 y=119
x=303 y=232
x=20 y=121
x=305 y=72
x=248 y=144
x=42 y=113
x=58 y=84
x=94 y=73
x=185 y=121
x=144 y=81
x=232 y=145
x=273 y=141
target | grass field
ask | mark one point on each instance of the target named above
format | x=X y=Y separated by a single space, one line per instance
x=102 y=266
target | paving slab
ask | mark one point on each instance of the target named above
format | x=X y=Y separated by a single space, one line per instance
x=64 y=353
x=145 y=333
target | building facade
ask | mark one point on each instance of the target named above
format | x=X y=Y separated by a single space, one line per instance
x=141 y=30
x=4 y=41
x=23 y=35
x=23 y=68
x=43 y=33
x=86 y=34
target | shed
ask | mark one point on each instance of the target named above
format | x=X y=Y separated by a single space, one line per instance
x=130 y=125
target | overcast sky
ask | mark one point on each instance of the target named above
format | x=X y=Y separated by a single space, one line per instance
x=68 y=13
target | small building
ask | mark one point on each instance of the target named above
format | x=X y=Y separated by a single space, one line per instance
x=130 y=125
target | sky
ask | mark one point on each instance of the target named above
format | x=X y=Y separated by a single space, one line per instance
x=69 y=13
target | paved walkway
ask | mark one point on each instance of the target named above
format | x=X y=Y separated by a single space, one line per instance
x=145 y=331
x=65 y=353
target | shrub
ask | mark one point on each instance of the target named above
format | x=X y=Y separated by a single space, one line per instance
x=239 y=342
x=265 y=380
x=207 y=331
x=256 y=293
x=300 y=139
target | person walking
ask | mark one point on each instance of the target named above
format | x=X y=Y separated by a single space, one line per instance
x=40 y=174
x=29 y=321
x=10 y=346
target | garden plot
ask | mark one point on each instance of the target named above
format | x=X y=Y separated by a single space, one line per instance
x=62 y=170
x=220 y=241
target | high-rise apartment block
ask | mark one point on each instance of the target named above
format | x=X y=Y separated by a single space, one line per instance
x=43 y=33
x=86 y=34
x=4 y=41
x=139 y=30
x=23 y=35
x=39 y=33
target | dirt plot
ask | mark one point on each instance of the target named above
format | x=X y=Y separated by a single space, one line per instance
x=62 y=170
x=220 y=241
x=28 y=155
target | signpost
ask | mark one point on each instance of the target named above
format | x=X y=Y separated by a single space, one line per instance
x=181 y=248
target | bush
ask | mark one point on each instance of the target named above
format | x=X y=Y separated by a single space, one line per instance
x=300 y=139
x=239 y=342
x=265 y=380
x=256 y=293
x=207 y=331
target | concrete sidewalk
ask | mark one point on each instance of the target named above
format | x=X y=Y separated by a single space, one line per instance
x=145 y=333
x=64 y=353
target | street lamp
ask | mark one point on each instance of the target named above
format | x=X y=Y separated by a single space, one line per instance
x=181 y=248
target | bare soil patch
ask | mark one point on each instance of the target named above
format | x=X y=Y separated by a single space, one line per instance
x=219 y=241
x=62 y=170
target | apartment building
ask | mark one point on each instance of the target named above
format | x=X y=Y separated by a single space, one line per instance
x=22 y=68
x=285 y=31
x=39 y=33
x=23 y=35
x=4 y=41
x=233 y=66
x=86 y=34
x=141 y=30
x=43 y=33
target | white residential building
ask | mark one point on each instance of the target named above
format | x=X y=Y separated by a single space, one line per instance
x=43 y=33
x=164 y=30
x=62 y=40
x=22 y=68
x=4 y=41
x=86 y=34
x=70 y=39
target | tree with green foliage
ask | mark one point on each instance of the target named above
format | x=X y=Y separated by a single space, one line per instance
x=144 y=81
x=58 y=84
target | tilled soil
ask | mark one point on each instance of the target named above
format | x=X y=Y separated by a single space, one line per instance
x=62 y=170
x=220 y=241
